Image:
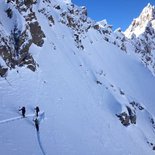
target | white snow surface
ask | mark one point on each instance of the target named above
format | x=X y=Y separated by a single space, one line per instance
x=78 y=116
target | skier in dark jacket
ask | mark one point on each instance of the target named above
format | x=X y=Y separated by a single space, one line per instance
x=37 y=110
x=23 y=109
x=36 y=122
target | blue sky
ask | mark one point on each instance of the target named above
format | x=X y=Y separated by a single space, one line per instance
x=118 y=13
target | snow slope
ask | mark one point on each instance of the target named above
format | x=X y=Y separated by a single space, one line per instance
x=79 y=92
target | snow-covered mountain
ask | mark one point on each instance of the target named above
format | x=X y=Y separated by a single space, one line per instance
x=95 y=94
x=139 y=24
x=142 y=37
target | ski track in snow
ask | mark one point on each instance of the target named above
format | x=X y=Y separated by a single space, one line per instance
x=40 y=143
x=41 y=117
x=10 y=120
x=15 y=119
x=20 y=117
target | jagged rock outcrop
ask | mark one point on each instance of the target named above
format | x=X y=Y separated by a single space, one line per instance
x=116 y=37
x=3 y=71
x=14 y=49
x=141 y=34
x=139 y=24
x=128 y=117
x=76 y=18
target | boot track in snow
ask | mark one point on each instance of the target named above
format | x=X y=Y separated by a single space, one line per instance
x=40 y=144
x=41 y=116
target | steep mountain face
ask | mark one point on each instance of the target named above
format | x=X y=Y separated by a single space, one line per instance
x=95 y=95
x=139 y=24
x=142 y=36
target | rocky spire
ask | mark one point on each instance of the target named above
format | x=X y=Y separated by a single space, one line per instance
x=139 y=24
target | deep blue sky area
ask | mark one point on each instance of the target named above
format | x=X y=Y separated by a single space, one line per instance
x=118 y=13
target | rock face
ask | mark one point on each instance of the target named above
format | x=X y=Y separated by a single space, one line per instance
x=26 y=29
x=141 y=36
x=14 y=49
x=79 y=25
x=3 y=71
x=139 y=24
x=128 y=117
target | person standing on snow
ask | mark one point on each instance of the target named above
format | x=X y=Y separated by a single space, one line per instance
x=23 y=110
x=37 y=111
x=36 y=122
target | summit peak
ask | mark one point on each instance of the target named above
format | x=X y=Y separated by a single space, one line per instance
x=149 y=11
x=139 y=24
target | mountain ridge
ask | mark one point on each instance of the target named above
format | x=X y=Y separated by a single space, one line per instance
x=96 y=94
x=138 y=25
